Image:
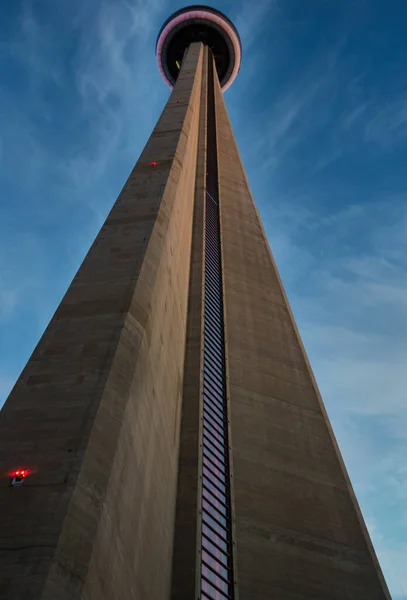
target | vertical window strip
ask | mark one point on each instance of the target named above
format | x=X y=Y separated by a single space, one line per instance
x=217 y=569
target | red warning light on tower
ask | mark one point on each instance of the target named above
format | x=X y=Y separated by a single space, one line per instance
x=18 y=477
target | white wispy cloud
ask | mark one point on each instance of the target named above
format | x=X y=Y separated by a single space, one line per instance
x=388 y=125
x=33 y=49
x=296 y=109
x=355 y=114
x=8 y=301
x=24 y=270
x=393 y=559
x=252 y=19
x=117 y=80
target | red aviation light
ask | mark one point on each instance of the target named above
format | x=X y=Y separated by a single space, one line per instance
x=153 y=163
x=18 y=476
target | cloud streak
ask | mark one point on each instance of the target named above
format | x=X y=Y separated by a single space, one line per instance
x=388 y=126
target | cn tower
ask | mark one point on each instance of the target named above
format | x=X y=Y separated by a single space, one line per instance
x=167 y=439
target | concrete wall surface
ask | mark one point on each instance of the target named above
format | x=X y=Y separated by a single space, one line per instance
x=95 y=413
x=299 y=533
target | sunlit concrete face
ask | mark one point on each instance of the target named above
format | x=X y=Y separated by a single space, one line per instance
x=173 y=439
x=95 y=413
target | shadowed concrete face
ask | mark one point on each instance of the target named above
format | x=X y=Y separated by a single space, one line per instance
x=109 y=413
x=298 y=530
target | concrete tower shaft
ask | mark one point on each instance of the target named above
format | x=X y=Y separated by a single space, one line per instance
x=166 y=439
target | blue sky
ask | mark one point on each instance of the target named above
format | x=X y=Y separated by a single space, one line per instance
x=320 y=114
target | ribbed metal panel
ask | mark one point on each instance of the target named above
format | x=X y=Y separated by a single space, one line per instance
x=216 y=544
